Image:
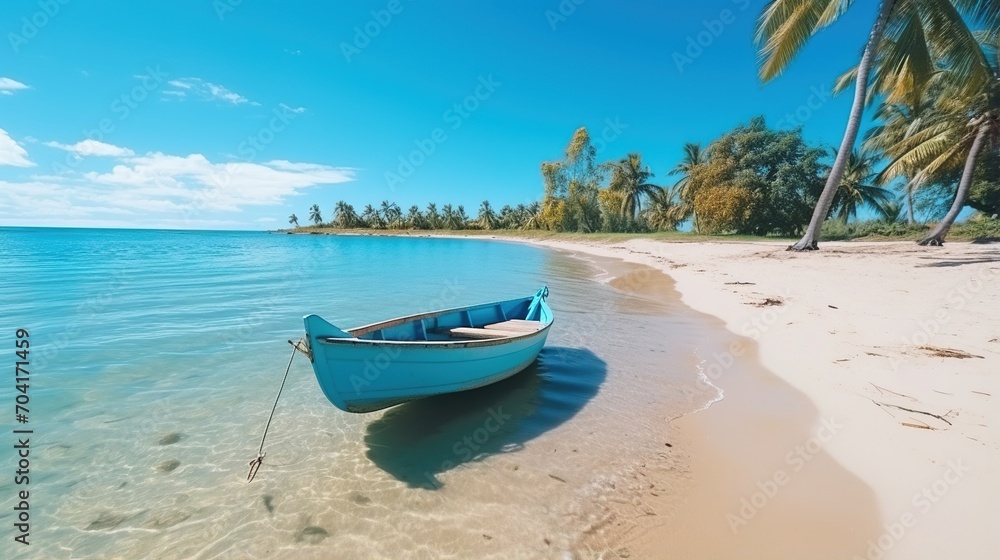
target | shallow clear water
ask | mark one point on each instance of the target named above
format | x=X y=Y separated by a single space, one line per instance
x=156 y=355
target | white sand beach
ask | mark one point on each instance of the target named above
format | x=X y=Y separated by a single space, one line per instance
x=896 y=346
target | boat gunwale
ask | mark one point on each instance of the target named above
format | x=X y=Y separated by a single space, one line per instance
x=365 y=329
x=434 y=343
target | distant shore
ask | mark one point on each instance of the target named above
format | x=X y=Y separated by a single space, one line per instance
x=897 y=346
x=960 y=233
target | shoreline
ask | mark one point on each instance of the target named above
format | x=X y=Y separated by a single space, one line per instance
x=888 y=334
x=734 y=500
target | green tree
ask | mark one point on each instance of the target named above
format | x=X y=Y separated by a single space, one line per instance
x=391 y=214
x=776 y=175
x=694 y=156
x=433 y=217
x=314 y=216
x=344 y=215
x=371 y=217
x=666 y=209
x=570 y=201
x=630 y=178
x=415 y=219
x=857 y=187
x=293 y=220
x=917 y=29
x=961 y=127
x=487 y=218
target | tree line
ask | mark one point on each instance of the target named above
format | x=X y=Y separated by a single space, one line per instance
x=931 y=70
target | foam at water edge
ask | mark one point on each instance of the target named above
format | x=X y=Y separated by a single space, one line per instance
x=719 y=393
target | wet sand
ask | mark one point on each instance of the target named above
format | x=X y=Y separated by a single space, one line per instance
x=758 y=483
x=893 y=345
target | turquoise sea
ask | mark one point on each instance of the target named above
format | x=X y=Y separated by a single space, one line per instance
x=155 y=357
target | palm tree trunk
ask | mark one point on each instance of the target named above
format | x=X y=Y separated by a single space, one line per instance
x=811 y=238
x=936 y=237
x=909 y=205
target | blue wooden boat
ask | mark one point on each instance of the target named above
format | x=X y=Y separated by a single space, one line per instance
x=384 y=364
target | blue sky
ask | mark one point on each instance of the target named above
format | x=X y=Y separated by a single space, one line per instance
x=230 y=114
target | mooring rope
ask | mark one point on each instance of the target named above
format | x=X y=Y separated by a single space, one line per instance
x=255 y=464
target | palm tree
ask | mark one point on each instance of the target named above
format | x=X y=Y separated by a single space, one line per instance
x=629 y=177
x=694 y=156
x=391 y=213
x=785 y=26
x=371 y=217
x=895 y=122
x=344 y=215
x=507 y=219
x=487 y=218
x=414 y=218
x=891 y=212
x=314 y=215
x=293 y=220
x=433 y=218
x=857 y=186
x=528 y=217
x=448 y=217
x=666 y=209
x=461 y=219
x=955 y=135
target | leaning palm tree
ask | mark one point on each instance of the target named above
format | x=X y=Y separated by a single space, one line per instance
x=630 y=177
x=666 y=209
x=314 y=215
x=785 y=26
x=858 y=188
x=961 y=127
x=293 y=220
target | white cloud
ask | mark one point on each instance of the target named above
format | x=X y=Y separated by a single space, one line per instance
x=205 y=90
x=297 y=110
x=156 y=188
x=11 y=153
x=8 y=86
x=195 y=182
x=92 y=148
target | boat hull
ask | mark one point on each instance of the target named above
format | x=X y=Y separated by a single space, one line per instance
x=363 y=375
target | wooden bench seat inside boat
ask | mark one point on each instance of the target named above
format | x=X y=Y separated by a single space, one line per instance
x=468 y=332
x=517 y=325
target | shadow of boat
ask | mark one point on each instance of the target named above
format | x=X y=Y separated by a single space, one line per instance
x=417 y=441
